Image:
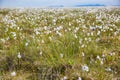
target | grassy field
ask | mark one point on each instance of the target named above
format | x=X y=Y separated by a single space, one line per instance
x=60 y=43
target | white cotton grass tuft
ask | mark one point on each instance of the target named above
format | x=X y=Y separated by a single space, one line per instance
x=108 y=69
x=13 y=73
x=41 y=53
x=85 y=68
x=98 y=57
x=79 y=78
x=50 y=38
x=101 y=62
x=26 y=44
x=83 y=54
x=3 y=40
x=43 y=41
x=64 y=78
x=61 y=55
x=19 y=55
x=75 y=36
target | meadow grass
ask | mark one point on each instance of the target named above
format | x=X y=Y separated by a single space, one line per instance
x=60 y=44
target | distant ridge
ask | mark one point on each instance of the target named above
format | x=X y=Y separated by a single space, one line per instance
x=56 y=6
x=90 y=5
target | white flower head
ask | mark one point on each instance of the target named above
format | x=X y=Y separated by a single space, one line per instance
x=85 y=68
x=64 y=78
x=50 y=38
x=41 y=53
x=98 y=33
x=3 y=40
x=75 y=36
x=101 y=62
x=36 y=32
x=43 y=41
x=98 y=57
x=61 y=55
x=58 y=33
x=13 y=73
x=26 y=44
x=92 y=28
x=83 y=54
x=65 y=30
x=103 y=55
x=19 y=55
x=108 y=69
x=54 y=20
x=82 y=45
x=92 y=33
x=79 y=78
x=112 y=53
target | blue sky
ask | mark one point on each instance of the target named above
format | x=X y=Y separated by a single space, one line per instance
x=46 y=3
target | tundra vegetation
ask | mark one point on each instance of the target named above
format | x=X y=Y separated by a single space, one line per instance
x=60 y=43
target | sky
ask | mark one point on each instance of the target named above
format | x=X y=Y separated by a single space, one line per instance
x=47 y=3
